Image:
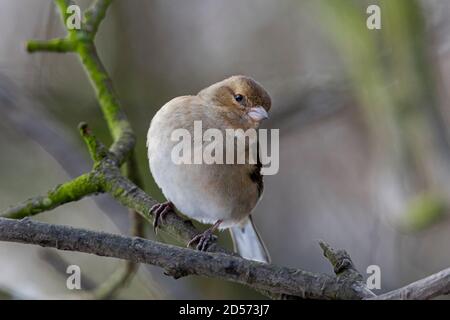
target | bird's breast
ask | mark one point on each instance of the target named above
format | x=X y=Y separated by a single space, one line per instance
x=205 y=192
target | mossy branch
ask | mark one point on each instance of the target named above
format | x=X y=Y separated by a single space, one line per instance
x=94 y=15
x=97 y=150
x=82 y=42
x=70 y=191
x=54 y=45
x=119 y=126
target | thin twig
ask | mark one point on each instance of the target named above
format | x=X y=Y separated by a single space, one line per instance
x=55 y=45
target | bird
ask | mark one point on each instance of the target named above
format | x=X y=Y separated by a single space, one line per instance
x=223 y=195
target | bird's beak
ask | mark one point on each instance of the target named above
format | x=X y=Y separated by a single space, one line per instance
x=258 y=113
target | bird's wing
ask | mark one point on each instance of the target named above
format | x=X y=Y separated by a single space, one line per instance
x=255 y=174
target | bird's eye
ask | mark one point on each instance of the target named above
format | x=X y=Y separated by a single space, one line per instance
x=239 y=97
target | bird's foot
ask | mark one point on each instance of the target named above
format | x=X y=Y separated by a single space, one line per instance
x=160 y=210
x=205 y=238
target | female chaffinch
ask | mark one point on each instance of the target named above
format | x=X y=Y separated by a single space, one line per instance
x=220 y=194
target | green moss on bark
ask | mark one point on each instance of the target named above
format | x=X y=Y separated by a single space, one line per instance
x=67 y=192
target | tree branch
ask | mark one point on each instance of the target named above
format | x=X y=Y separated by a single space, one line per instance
x=120 y=128
x=82 y=42
x=344 y=268
x=94 y=15
x=430 y=287
x=96 y=149
x=179 y=261
x=72 y=190
x=54 y=45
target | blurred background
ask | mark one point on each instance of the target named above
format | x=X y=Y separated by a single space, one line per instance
x=363 y=118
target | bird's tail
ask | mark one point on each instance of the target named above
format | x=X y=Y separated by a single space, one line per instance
x=248 y=243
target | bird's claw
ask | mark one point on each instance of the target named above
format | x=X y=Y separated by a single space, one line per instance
x=160 y=210
x=203 y=240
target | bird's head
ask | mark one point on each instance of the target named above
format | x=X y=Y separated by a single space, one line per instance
x=240 y=96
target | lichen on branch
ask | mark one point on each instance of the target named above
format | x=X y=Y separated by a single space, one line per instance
x=70 y=191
